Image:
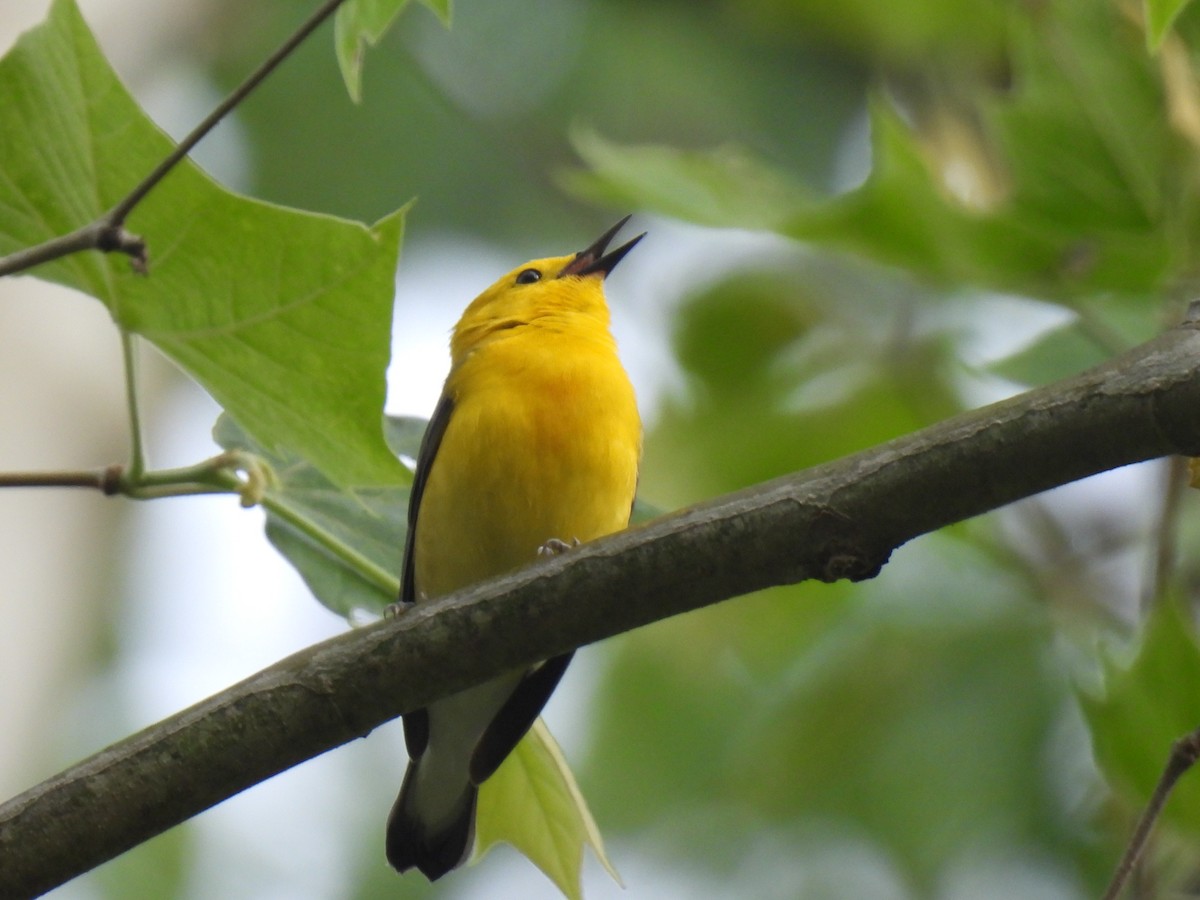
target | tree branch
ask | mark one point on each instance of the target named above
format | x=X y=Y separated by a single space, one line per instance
x=838 y=520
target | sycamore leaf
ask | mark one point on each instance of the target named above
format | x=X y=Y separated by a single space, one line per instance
x=1145 y=706
x=1081 y=185
x=359 y=24
x=283 y=316
x=1059 y=353
x=347 y=543
x=1160 y=17
x=534 y=804
x=725 y=187
x=1107 y=327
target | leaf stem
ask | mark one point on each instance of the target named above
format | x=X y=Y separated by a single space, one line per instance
x=137 y=452
x=375 y=575
x=220 y=474
x=231 y=472
x=216 y=475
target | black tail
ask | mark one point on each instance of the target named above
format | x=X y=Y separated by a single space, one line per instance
x=412 y=843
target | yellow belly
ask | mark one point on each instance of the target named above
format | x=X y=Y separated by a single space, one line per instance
x=534 y=450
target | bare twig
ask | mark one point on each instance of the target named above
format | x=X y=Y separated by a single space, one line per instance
x=107 y=480
x=231 y=472
x=108 y=232
x=1184 y=754
x=838 y=520
x=103 y=234
x=122 y=209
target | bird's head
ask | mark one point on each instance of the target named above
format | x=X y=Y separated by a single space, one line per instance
x=542 y=290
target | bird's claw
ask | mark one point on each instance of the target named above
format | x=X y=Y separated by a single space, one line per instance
x=554 y=547
x=395 y=609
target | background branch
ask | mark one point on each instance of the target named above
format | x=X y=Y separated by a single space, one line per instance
x=838 y=520
x=1184 y=753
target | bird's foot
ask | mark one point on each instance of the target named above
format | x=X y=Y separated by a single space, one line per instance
x=395 y=609
x=555 y=547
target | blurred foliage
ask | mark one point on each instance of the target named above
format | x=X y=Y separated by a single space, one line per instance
x=534 y=804
x=1142 y=711
x=360 y=25
x=927 y=719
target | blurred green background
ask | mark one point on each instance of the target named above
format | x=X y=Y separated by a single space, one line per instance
x=915 y=736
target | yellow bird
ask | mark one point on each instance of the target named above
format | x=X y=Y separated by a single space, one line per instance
x=534 y=446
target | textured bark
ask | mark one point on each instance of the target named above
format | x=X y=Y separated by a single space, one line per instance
x=839 y=520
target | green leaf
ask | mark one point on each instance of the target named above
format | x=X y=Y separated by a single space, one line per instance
x=1160 y=16
x=1114 y=214
x=1104 y=327
x=1146 y=705
x=1059 y=353
x=346 y=543
x=362 y=23
x=644 y=512
x=723 y=187
x=283 y=316
x=534 y=804
x=348 y=547
x=157 y=868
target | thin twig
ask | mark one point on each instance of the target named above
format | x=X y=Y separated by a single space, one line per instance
x=106 y=480
x=1184 y=754
x=387 y=582
x=231 y=472
x=119 y=212
x=99 y=235
x=107 y=233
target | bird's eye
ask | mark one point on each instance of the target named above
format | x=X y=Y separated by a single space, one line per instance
x=529 y=276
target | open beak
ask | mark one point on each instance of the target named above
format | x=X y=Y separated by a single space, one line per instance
x=594 y=259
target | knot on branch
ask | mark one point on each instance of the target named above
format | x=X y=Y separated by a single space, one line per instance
x=112 y=480
x=842 y=550
x=851 y=563
x=1192 y=316
x=115 y=238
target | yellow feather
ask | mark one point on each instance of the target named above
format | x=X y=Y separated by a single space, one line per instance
x=544 y=440
x=542 y=443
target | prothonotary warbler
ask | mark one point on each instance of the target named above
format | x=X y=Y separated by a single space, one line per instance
x=534 y=445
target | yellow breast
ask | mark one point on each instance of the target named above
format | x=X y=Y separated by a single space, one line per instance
x=543 y=442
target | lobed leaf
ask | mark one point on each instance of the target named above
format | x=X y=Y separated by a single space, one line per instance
x=347 y=543
x=1145 y=706
x=1068 y=184
x=1160 y=18
x=534 y=804
x=283 y=316
x=362 y=23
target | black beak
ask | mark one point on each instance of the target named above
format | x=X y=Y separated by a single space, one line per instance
x=594 y=259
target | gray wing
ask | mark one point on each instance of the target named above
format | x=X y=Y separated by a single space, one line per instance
x=416 y=723
x=434 y=432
